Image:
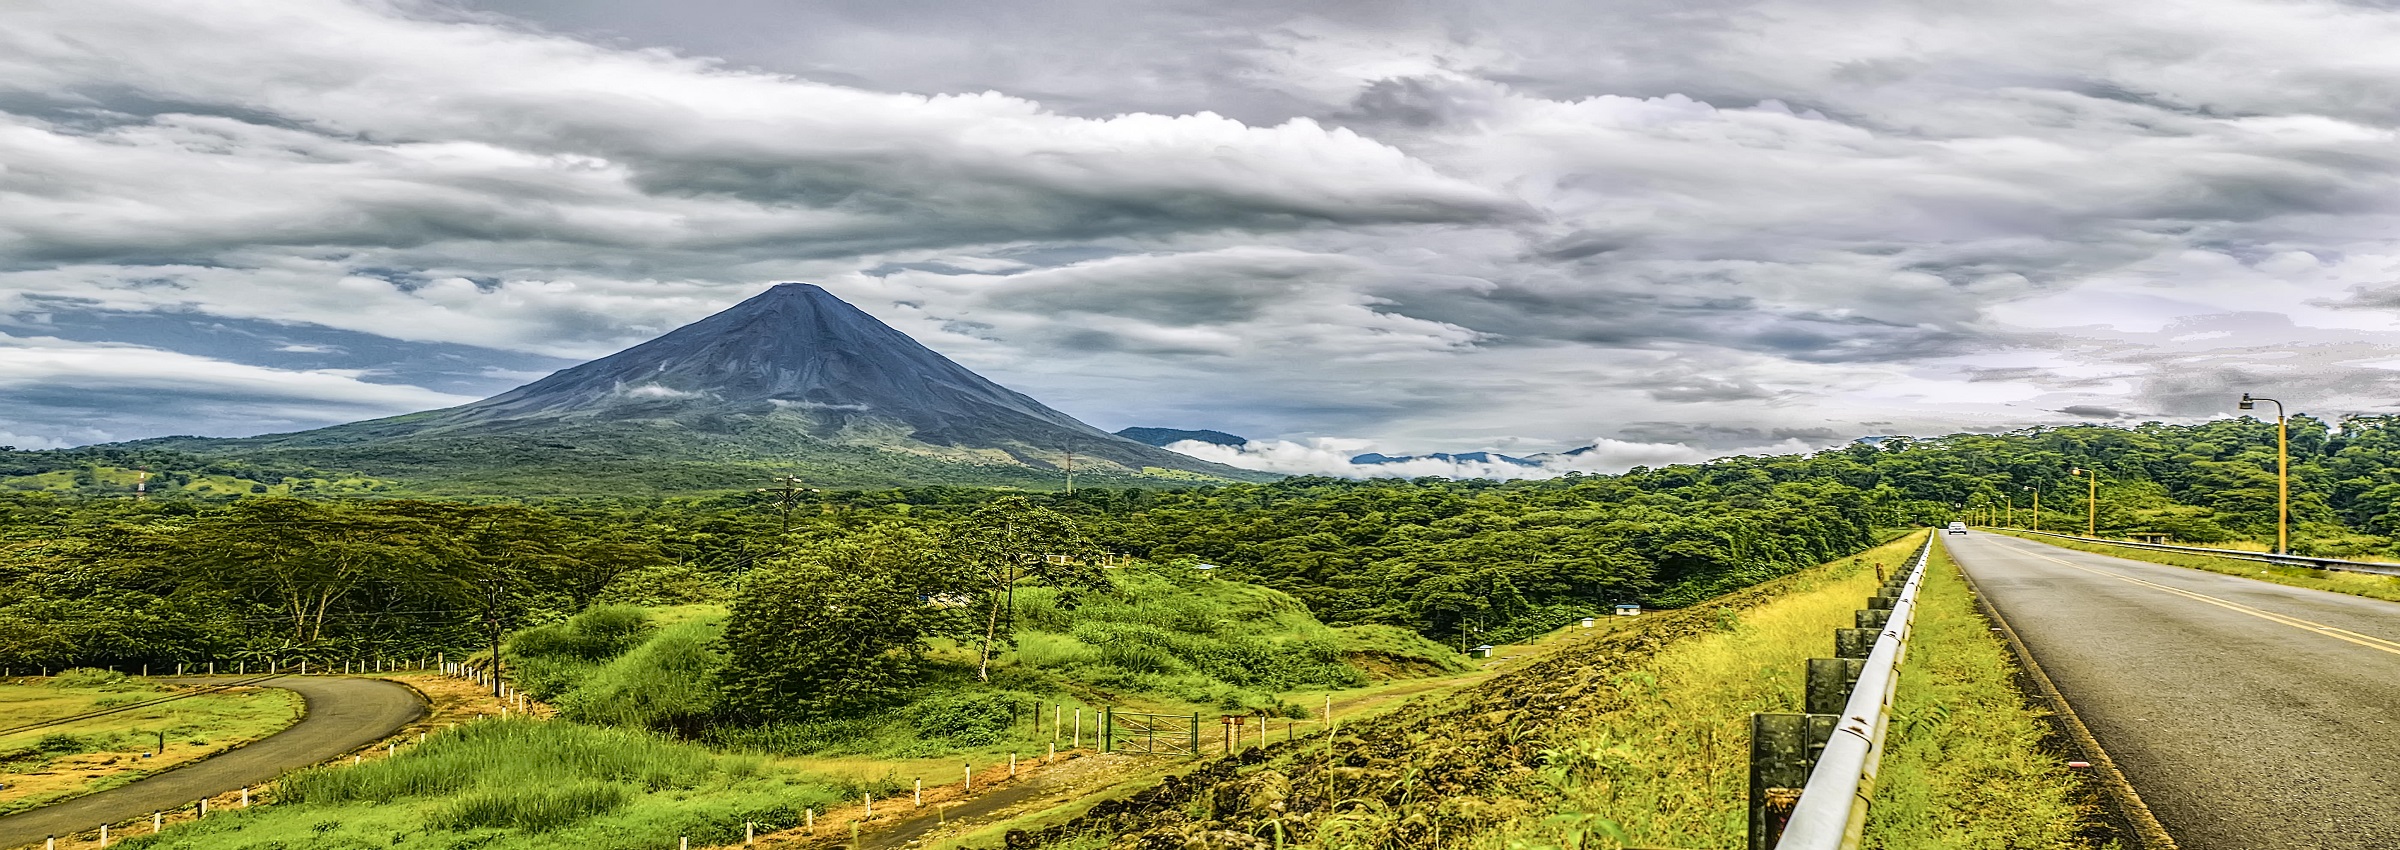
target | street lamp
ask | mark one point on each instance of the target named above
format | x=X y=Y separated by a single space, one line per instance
x=2091 y=501
x=2283 y=475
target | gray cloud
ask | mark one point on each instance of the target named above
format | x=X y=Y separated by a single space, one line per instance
x=1721 y=226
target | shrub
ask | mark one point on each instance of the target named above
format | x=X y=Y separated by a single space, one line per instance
x=966 y=719
x=668 y=682
x=552 y=660
x=533 y=808
x=513 y=753
x=596 y=635
x=86 y=677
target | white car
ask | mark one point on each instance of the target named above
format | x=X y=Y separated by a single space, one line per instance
x=1958 y=528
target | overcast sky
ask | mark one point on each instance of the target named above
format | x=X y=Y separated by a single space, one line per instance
x=1670 y=229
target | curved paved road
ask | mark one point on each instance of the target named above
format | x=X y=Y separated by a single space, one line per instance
x=343 y=714
x=2249 y=715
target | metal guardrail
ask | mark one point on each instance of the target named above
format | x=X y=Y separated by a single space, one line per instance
x=1832 y=811
x=2241 y=554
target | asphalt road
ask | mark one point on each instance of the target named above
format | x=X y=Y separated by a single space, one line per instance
x=2248 y=715
x=343 y=714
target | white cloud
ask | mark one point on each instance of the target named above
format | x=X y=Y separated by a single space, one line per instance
x=1723 y=227
x=1332 y=456
x=78 y=393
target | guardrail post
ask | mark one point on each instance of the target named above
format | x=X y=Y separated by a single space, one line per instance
x=1854 y=643
x=1783 y=748
x=1873 y=618
x=1830 y=681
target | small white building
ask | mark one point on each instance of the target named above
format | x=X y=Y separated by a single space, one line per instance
x=1484 y=651
x=1628 y=610
x=1588 y=621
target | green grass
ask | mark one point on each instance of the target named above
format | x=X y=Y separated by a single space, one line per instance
x=1669 y=766
x=667 y=681
x=519 y=784
x=52 y=763
x=2356 y=584
x=1963 y=764
x=1190 y=640
x=1165 y=639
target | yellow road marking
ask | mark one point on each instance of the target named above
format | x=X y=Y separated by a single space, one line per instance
x=2337 y=633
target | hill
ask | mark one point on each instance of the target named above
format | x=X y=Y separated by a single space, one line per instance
x=792 y=381
x=1163 y=637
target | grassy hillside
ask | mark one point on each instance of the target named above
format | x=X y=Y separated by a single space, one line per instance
x=1164 y=638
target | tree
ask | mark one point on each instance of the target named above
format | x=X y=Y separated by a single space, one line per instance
x=840 y=627
x=1010 y=541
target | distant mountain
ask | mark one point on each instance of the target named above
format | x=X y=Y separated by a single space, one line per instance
x=1376 y=459
x=1169 y=436
x=791 y=380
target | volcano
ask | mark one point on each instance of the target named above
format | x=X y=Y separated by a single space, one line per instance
x=791 y=380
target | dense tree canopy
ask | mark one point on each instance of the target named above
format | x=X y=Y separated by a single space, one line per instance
x=114 y=580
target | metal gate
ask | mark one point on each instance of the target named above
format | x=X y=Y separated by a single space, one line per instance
x=1149 y=734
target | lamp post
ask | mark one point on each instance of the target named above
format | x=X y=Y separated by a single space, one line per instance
x=2283 y=475
x=2037 y=505
x=2091 y=501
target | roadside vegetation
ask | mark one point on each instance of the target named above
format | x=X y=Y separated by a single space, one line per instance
x=522 y=783
x=1964 y=765
x=2356 y=584
x=56 y=762
x=1633 y=736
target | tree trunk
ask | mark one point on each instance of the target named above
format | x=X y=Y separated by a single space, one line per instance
x=991 y=631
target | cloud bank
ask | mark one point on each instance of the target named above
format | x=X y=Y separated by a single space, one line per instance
x=1662 y=231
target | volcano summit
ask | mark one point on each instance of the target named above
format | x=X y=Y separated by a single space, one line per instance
x=792 y=380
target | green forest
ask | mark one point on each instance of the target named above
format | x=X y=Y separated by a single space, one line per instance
x=98 y=577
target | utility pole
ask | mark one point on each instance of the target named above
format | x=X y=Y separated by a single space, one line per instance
x=141 y=484
x=2091 y=501
x=492 y=609
x=788 y=495
x=2037 y=506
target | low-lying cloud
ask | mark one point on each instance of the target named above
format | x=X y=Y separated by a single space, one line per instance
x=1333 y=457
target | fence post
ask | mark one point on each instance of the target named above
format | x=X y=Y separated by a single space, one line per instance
x=1012 y=764
x=968 y=785
x=917 y=800
x=155 y=819
x=749 y=833
x=1078 y=744
x=245 y=796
